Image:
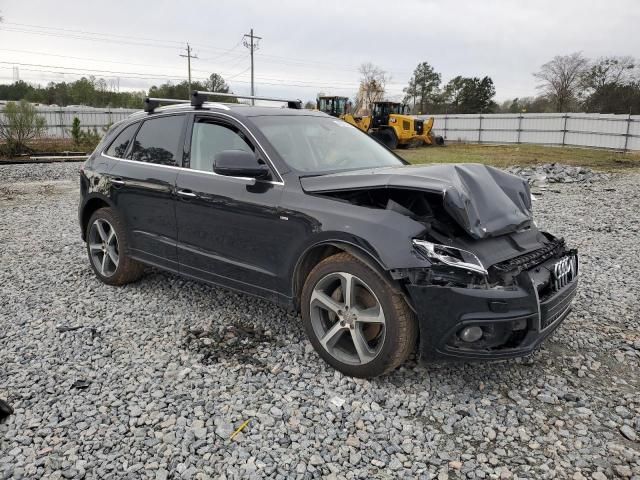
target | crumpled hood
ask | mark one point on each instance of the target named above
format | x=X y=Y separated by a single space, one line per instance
x=484 y=201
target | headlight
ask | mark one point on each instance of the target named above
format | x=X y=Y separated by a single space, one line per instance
x=454 y=257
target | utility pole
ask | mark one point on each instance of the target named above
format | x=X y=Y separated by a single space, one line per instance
x=189 y=56
x=248 y=41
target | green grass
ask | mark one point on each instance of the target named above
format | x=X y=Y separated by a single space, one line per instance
x=507 y=155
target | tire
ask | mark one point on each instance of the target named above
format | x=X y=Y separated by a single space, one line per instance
x=377 y=315
x=108 y=249
x=387 y=137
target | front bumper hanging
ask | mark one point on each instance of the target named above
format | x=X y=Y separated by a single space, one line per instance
x=513 y=321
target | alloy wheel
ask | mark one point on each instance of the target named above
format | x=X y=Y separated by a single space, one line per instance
x=103 y=247
x=347 y=318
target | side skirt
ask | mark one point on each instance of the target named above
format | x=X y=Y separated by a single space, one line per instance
x=275 y=297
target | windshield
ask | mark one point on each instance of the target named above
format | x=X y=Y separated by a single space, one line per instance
x=320 y=144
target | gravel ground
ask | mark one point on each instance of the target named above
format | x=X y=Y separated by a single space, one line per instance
x=153 y=378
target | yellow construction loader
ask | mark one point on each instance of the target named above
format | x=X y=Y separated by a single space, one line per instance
x=334 y=106
x=389 y=122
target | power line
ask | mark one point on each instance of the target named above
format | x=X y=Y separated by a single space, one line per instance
x=87 y=71
x=109 y=38
x=79 y=37
x=49 y=54
x=226 y=52
x=135 y=76
x=84 y=32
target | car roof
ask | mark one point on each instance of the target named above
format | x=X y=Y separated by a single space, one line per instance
x=237 y=109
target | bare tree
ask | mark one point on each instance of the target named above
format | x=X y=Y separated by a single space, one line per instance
x=609 y=71
x=560 y=79
x=373 y=81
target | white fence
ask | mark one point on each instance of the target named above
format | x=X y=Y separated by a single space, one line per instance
x=60 y=119
x=618 y=132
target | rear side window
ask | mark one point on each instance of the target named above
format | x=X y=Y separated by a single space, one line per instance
x=158 y=141
x=119 y=146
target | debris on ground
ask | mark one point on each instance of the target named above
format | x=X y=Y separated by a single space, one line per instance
x=81 y=384
x=540 y=175
x=68 y=328
x=241 y=342
x=5 y=409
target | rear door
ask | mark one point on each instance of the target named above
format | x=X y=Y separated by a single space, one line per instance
x=229 y=232
x=143 y=185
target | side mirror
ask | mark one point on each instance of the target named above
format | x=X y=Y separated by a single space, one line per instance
x=238 y=163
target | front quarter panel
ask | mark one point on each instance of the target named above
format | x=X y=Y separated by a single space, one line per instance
x=383 y=234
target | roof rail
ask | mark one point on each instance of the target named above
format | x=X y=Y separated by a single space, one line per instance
x=150 y=104
x=198 y=98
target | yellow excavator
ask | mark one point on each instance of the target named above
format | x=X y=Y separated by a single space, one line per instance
x=389 y=123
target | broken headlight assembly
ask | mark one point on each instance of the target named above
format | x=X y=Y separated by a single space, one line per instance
x=451 y=256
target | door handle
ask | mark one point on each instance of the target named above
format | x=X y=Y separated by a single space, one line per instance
x=187 y=193
x=118 y=181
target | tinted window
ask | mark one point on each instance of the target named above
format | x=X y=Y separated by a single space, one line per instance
x=158 y=140
x=119 y=146
x=208 y=139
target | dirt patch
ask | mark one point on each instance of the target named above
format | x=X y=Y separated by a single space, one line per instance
x=18 y=191
x=237 y=343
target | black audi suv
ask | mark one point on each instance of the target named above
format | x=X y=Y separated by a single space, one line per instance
x=303 y=209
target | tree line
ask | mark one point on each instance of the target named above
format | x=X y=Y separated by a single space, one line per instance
x=97 y=92
x=425 y=92
x=571 y=83
x=566 y=83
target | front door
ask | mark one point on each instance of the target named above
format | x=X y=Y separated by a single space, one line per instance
x=229 y=231
x=143 y=189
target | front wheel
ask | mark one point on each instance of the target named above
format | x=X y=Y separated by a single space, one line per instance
x=354 y=319
x=387 y=137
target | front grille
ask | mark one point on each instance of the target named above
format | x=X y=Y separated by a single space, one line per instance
x=554 y=307
x=530 y=260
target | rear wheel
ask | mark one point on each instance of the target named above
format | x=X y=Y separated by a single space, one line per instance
x=354 y=319
x=107 y=248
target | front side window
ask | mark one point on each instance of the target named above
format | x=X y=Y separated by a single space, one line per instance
x=321 y=144
x=210 y=138
x=119 y=146
x=158 y=141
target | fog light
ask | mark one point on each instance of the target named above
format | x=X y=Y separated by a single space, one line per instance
x=470 y=334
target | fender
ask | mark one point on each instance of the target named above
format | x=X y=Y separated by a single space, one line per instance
x=86 y=208
x=370 y=259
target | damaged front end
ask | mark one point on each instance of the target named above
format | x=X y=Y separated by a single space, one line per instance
x=484 y=282
x=506 y=312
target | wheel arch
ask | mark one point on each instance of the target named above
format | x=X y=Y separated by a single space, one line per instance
x=319 y=251
x=91 y=205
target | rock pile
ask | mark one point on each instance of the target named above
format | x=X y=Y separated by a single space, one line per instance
x=556 y=173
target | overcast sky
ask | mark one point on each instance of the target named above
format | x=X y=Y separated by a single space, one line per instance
x=308 y=46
